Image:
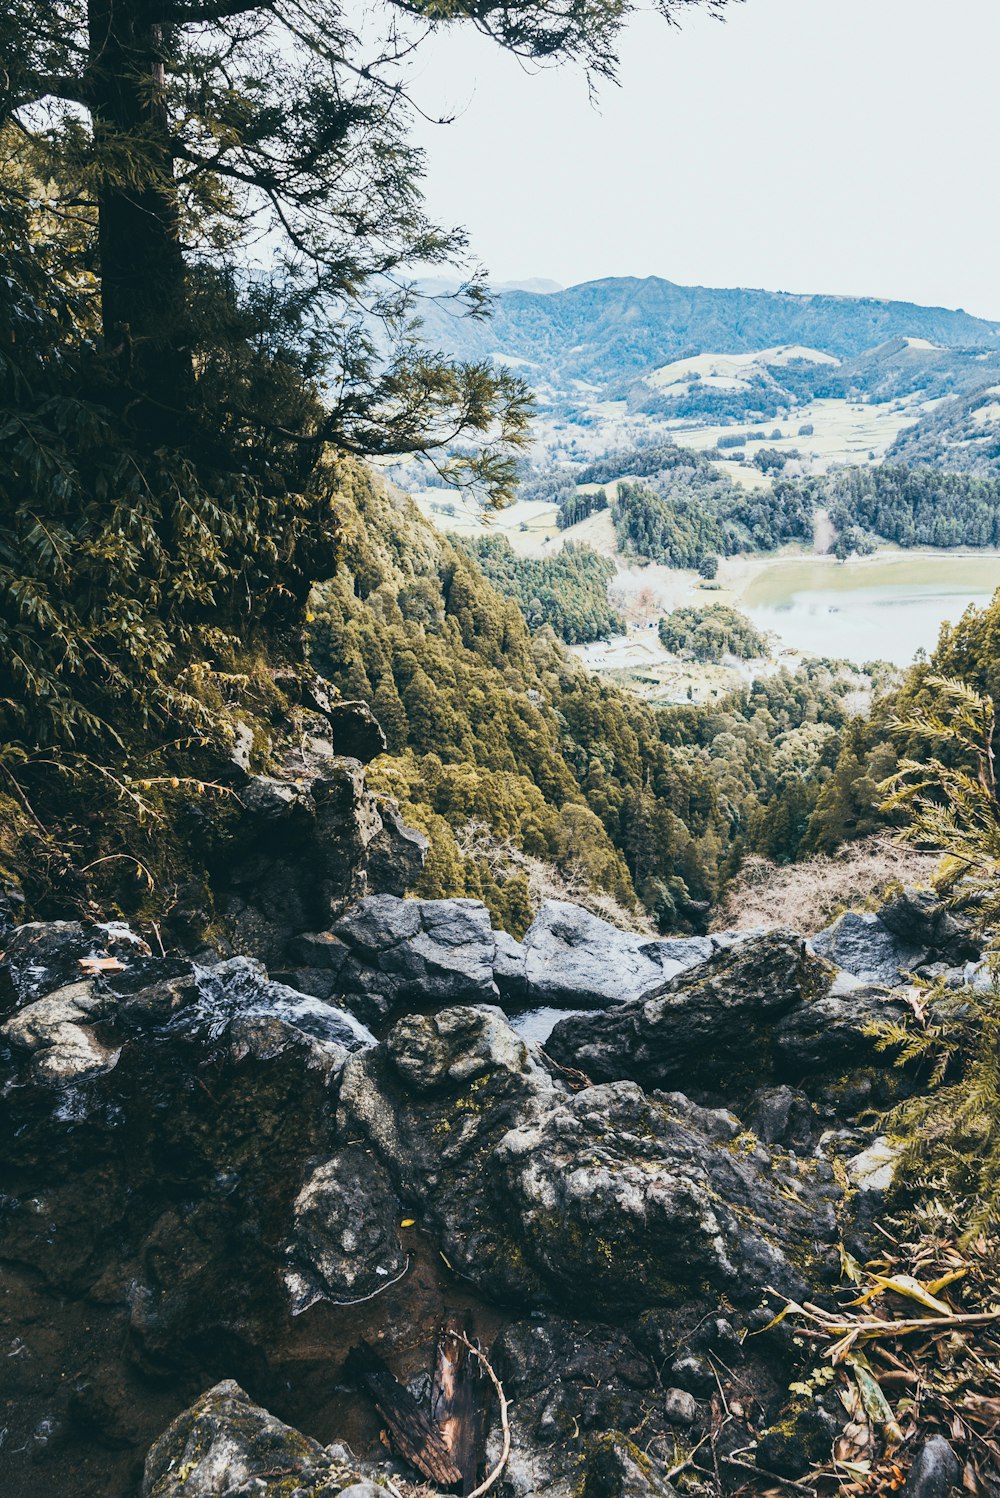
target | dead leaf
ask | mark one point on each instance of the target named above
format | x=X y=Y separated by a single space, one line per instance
x=94 y=965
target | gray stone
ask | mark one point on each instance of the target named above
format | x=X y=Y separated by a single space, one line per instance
x=574 y=960
x=680 y=1407
x=44 y=955
x=859 y=943
x=225 y=1444
x=758 y=1013
x=396 y=854
x=873 y=1168
x=304 y=848
x=936 y=1471
x=344 y=1247
x=604 y=1199
x=781 y=1115
x=920 y=918
x=402 y=951
x=57 y=1032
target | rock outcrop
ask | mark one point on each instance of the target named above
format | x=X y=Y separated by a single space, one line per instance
x=212 y=1175
x=763 y=1012
x=387 y=954
x=299 y=850
x=913 y=932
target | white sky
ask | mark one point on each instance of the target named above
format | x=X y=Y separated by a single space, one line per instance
x=805 y=145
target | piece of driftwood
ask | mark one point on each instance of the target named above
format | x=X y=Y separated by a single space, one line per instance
x=493 y=1477
x=415 y=1436
x=457 y=1403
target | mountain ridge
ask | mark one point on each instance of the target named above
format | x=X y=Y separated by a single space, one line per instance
x=598 y=331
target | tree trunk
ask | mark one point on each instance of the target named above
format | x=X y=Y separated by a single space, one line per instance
x=142 y=264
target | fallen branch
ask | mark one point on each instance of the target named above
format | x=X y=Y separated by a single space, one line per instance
x=862 y=1326
x=494 y=1476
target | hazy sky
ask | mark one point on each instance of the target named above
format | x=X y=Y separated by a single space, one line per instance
x=805 y=145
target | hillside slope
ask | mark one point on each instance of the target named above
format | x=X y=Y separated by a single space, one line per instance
x=519 y=764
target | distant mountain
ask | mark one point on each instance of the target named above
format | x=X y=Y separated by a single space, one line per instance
x=602 y=332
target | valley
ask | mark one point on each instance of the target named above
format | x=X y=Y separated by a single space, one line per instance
x=806 y=417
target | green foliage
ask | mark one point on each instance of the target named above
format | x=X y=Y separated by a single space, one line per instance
x=568 y=591
x=577 y=505
x=490 y=725
x=952 y=1136
x=121 y=568
x=950 y=794
x=708 y=634
x=698 y=514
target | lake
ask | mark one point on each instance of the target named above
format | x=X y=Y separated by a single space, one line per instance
x=869 y=608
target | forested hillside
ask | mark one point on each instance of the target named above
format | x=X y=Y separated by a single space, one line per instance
x=682 y=511
x=569 y=590
x=502 y=745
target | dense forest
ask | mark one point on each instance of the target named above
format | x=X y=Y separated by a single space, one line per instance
x=693 y=519
x=686 y=512
x=568 y=591
x=910 y=506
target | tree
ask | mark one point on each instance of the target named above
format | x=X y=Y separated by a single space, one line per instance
x=208 y=214
x=190 y=128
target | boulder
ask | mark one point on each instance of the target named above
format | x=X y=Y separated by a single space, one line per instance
x=859 y=943
x=58 y=1033
x=344 y=1246
x=357 y=733
x=225 y=1445
x=920 y=918
x=606 y=1199
x=762 y=1012
x=401 y=952
x=396 y=855
x=44 y=955
x=300 y=850
x=565 y=1377
x=574 y=960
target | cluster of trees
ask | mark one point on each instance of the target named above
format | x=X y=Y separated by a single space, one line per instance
x=686 y=511
x=694 y=519
x=680 y=531
x=578 y=504
x=757 y=399
x=916 y=506
x=567 y=591
x=708 y=634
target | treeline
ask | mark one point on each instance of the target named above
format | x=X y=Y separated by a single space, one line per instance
x=578 y=505
x=568 y=591
x=687 y=513
x=916 y=506
x=491 y=726
x=708 y=634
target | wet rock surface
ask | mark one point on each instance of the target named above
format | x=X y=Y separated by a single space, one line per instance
x=215 y=1181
